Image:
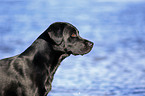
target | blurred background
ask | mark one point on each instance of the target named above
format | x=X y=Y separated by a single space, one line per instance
x=116 y=64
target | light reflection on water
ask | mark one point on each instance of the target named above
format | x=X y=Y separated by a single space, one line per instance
x=115 y=66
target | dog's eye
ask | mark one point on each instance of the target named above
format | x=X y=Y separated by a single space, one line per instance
x=73 y=35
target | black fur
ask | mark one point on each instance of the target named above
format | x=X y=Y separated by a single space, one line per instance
x=31 y=72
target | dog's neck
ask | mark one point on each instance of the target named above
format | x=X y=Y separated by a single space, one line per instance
x=44 y=70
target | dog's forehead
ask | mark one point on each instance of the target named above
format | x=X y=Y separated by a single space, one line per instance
x=72 y=29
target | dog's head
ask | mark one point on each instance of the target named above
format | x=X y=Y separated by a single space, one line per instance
x=66 y=39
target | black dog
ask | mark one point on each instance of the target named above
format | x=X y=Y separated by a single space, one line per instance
x=31 y=72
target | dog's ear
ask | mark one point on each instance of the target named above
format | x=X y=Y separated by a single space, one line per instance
x=55 y=32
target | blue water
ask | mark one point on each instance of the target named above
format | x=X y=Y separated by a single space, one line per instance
x=116 y=64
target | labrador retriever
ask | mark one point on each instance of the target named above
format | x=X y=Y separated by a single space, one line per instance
x=31 y=72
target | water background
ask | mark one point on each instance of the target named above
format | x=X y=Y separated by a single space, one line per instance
x=116 y=64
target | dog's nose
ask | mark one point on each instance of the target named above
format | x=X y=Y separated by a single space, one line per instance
x=90 y=43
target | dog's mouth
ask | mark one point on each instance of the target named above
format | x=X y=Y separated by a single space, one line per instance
x=82 y=52
x=86 y=49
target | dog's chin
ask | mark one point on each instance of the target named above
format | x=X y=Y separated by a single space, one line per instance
x=79 y=54
x=82 y=53
x=75 y=54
